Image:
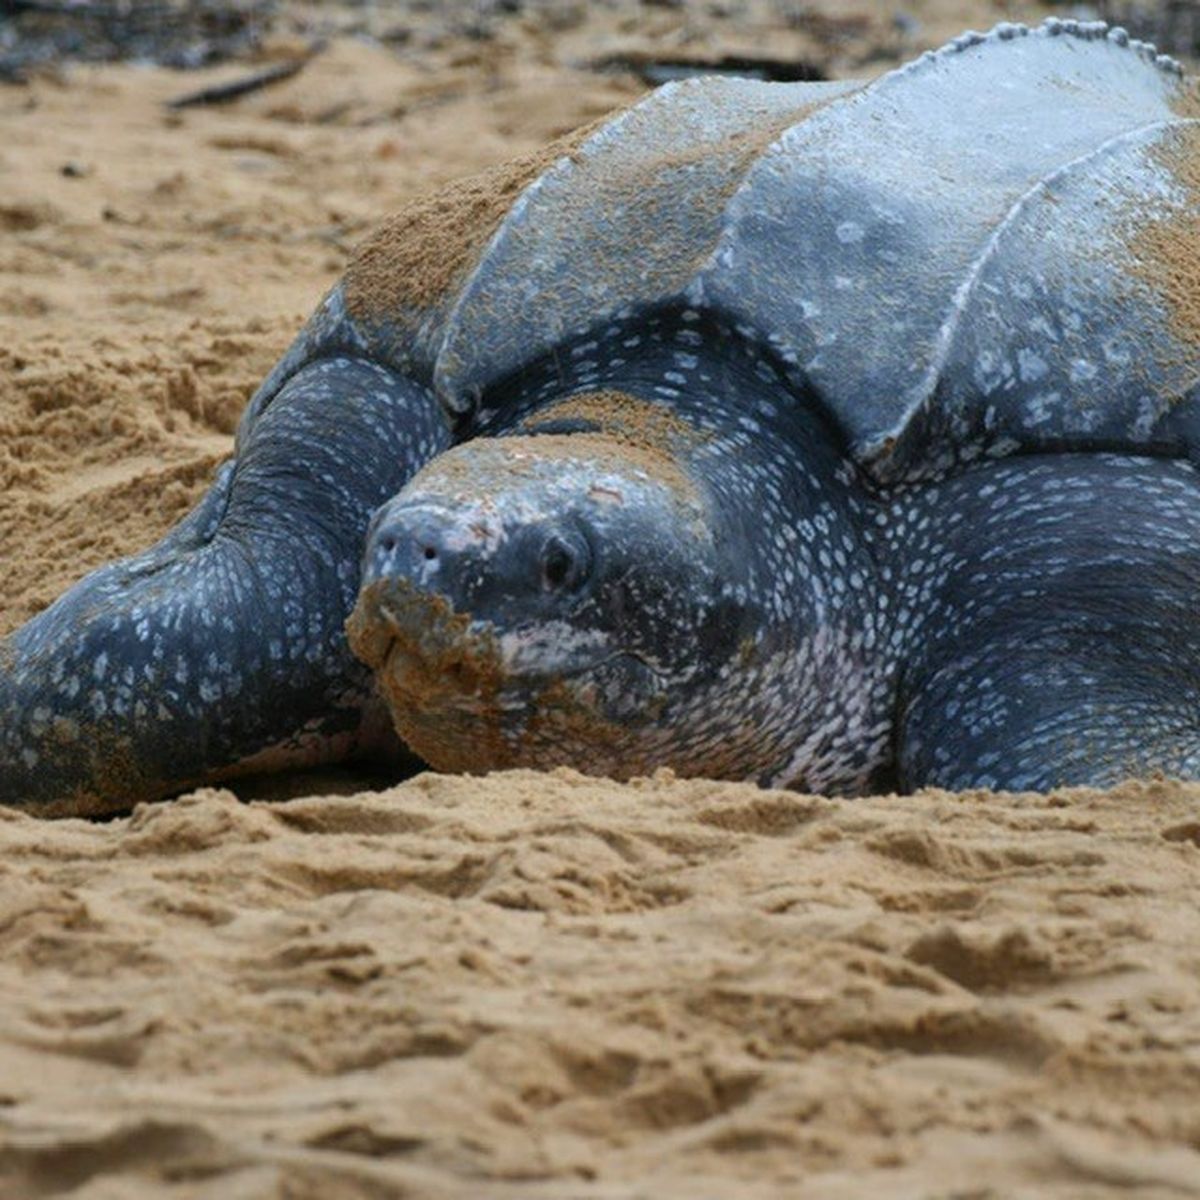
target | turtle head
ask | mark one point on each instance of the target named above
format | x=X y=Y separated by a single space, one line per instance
x=545 y=599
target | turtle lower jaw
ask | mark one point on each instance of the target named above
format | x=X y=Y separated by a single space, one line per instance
x=439 y=675
x=459 y=703
x=459 y=719
x=446 y=710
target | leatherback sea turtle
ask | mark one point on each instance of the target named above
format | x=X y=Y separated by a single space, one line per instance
x=826 y=435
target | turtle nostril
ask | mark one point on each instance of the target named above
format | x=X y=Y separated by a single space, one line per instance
x=431 y=553
x=388 y=544
x=564 y=563
x=557 y=565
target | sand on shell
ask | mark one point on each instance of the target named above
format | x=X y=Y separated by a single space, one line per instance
x=525 y=985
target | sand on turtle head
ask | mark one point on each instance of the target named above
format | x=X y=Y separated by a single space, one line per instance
x=629 y=433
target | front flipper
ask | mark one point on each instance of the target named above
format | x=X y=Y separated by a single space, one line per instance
x=222 y=648
x=1057 y=710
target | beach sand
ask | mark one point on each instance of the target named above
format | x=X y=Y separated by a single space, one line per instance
x=524 y=985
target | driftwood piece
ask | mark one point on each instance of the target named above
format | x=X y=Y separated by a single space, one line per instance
x=222 y=93
x=653 y=70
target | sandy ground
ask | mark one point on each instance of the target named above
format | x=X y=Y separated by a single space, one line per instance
x=531 y=986
x=524 y=986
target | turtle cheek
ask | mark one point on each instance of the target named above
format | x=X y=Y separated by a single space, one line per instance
x=625 y=690
x=657 y=609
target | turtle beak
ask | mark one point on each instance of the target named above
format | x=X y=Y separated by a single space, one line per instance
x=440 y=673
x=410 y=624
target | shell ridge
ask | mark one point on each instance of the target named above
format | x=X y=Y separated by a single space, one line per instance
x=1005 y=31
x=924 y=389
x=838 y=219
x=1051 y=27
x=620 y=228
x=442 y=367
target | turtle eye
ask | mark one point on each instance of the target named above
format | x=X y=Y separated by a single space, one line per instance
x=566 y=562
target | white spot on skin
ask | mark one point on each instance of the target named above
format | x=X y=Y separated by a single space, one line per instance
x=1031 y=366
x=1083 y=371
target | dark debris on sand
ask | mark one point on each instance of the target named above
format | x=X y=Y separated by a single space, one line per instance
x=175 y=33
x=1171 y=25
